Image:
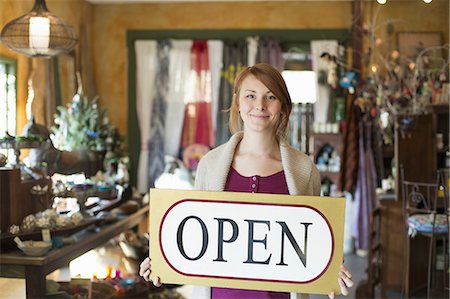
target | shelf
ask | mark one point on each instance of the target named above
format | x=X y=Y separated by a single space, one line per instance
x=37 y=268
x=438 y=108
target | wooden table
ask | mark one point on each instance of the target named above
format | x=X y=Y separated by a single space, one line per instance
x=37 y=268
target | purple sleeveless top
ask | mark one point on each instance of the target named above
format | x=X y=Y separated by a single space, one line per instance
x=275 y=184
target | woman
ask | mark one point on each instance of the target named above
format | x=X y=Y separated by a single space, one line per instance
x=257 y=158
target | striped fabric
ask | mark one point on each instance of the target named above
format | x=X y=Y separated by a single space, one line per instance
x=159 y=108
x=350 y=153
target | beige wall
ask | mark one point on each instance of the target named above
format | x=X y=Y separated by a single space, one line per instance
x=104 y=49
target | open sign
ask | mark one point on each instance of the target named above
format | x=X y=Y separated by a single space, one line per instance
x=244 y=240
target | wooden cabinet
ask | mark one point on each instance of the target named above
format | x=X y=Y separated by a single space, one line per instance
x=393 y=238
x=415 y=149
x=16 y=200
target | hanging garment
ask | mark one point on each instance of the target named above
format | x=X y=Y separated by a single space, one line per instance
x=365 y=194
x=179 y=70
x=159 y=109
x=215 y=51
x=269 y=51
x=252 y=44
x=234 y=60
x=197 y=125
x=146 y=68
x=349 y=160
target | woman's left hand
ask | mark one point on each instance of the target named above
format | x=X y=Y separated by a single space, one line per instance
x=345 y=281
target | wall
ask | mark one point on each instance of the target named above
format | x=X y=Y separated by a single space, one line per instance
x=406 y=16
x=104 y=46
x=114 y=20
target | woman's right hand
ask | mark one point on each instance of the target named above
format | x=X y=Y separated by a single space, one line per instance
x=145 y=272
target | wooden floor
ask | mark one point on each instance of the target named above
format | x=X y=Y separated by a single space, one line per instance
x=12 y=288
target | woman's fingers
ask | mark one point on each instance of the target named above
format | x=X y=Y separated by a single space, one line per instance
x=157 y=281
x=145 y=265
x=344 y=290
x=331 y=295
x=348 y=281
x=346 y=271
x=145 y=271
x=146 y=275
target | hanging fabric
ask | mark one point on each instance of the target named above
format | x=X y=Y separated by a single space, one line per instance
x=179 y=70
x=350 y=152
x=365 y=194
x=159 y=109
x=252 y=45
x=146 y=68
x=234 y=60
x=269 y=51
x=215 y=51
x=197 y=126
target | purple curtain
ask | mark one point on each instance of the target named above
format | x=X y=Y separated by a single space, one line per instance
x=269 y=51
x=365 y=195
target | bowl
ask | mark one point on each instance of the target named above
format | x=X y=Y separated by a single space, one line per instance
x=35 y=248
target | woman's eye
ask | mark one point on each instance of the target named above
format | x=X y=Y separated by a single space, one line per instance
x=271 y=98
x=250 y=96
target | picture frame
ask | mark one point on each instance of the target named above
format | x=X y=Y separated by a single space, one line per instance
x=410 y=44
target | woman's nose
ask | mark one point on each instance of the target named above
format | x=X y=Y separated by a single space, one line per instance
x=260 y=104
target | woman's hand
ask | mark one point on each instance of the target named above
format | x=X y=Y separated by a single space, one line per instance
x=145 y=272
x=345 y=281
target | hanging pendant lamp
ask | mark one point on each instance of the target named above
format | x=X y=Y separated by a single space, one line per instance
x=39 y=33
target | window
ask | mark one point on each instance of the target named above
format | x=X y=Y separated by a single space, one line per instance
x=7 y=100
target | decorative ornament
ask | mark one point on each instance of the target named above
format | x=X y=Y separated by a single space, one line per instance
x=3 y=160
x=43 y=222
x=330 y=60
x=348 y=81
x=63 y=221
x=82 y=125
x=50 y=213
x=28 y=223
x=76 y=218
x=14 y=229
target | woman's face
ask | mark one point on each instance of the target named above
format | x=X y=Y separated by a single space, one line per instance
x=259 y=108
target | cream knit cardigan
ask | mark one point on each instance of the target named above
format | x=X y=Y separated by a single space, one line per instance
x=301 y=175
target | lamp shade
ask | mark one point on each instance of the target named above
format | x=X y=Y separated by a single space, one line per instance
x=302 y=86
x=39 y=33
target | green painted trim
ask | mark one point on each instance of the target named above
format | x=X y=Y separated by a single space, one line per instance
x=134 y=133
x=7 y=60
x=288 y=37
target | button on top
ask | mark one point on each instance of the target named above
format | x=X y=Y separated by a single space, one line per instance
x=253 y=185
x=254 y=178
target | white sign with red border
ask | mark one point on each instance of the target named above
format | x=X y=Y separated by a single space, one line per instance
x=248 y=241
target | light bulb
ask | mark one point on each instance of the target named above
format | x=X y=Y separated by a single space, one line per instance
x=374 y=68
x=383 y=1
x=39 y=34
x=427 y=1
